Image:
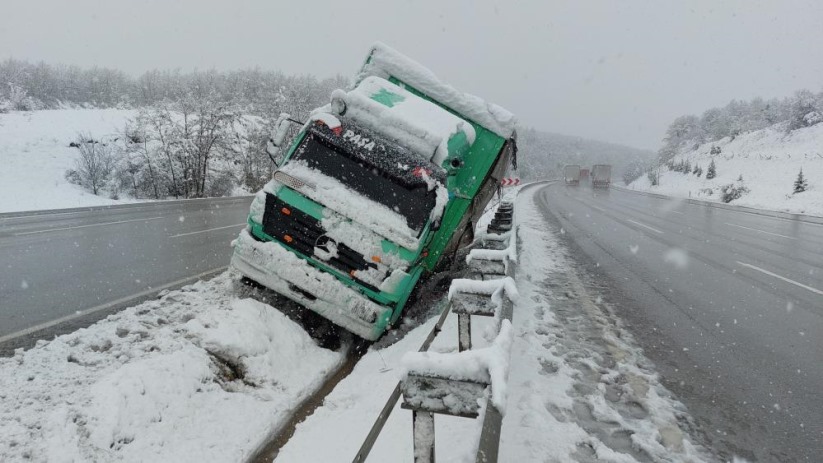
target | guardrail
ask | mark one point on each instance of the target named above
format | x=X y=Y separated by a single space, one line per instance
x=431 y=388
x=438 y=383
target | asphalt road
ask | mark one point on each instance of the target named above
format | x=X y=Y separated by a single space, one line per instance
x=59 y=267
x=727 y=303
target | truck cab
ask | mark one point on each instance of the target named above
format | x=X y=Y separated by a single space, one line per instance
x=373 y=191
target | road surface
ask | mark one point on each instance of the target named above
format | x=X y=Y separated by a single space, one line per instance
x=727 y=303
x=59 y=267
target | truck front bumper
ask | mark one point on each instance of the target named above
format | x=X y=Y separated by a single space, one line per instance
x=279 y=269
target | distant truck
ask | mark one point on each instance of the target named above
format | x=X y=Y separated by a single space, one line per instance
x=601 y=175
x=376 y=188
x=571 y=174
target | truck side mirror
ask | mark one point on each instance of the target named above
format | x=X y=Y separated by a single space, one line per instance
x=278 y=136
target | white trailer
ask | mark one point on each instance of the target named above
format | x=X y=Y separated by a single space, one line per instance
x=571 y=174
x=601 y=175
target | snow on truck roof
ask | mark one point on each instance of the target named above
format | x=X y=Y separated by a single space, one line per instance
x=385 y=62
x=427 y=129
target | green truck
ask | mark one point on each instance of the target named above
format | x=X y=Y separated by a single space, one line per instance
x=376 y=188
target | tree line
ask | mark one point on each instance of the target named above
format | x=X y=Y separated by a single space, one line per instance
x=803 y=109
x=194 y=134
x=543 y=155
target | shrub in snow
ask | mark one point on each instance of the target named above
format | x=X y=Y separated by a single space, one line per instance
x=812 y=118
x=715 y=150
x=652 y=176
x=94 y=167
x=712 y=172
x=732 y=191
x=800 y=184
x=740 y=178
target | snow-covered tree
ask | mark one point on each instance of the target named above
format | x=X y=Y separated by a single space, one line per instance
x=712 y=172
x=800 y=184
x=652 y=176
x=94 y=167
x=804 y=112
x=632 y=171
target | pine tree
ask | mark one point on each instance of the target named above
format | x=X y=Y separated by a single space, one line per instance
x=800 y=184
x=696 y=169
x=712 y=172
x=740 y=178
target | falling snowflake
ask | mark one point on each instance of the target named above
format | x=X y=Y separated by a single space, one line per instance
x=677 y=257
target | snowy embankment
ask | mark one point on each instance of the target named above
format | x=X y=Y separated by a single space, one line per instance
x=196 y=375
x=35 y=154
x=578 y=389
x=769 y=161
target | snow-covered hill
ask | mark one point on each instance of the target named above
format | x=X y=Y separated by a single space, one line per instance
x=35 y=154
x=768 y=160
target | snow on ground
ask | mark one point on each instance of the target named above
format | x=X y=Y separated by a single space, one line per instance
x=769 y=161
x=196 y=375
x=35 y=154
x=578 y=389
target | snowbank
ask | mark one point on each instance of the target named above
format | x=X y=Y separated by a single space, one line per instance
x=35 y=154
x=768 y=160
x=196 y=375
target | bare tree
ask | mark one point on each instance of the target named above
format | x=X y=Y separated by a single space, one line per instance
x=95 y=164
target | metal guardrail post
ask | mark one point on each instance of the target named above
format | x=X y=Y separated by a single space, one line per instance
x=371 y=438
x=423 y=424
x=489 y=447
x=464 y=331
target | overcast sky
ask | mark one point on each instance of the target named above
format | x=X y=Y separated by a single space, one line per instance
x=617 y=71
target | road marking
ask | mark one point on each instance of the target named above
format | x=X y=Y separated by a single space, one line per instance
x=801 y=285
x=107 y=305
x=762 y=231
x=206 y=231
x=599 y=209
x=644 y=226
x=86 y=226
x=677 y=212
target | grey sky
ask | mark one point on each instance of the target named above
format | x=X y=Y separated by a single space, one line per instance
x=613 y=70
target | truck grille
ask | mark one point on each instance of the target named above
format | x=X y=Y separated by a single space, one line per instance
x=303 y=233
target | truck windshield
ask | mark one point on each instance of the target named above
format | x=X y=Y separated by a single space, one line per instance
x=413 y=201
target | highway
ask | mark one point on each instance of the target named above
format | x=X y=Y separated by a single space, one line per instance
x=66 y=268
x=727 y=303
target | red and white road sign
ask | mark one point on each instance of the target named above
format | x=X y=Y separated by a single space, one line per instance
x=509 y=181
